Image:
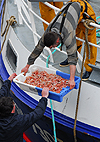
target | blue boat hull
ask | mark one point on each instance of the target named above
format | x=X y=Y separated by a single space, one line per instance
x=43 y=129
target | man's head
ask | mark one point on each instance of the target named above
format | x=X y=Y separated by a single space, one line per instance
x=6 y=106
x=51 y=39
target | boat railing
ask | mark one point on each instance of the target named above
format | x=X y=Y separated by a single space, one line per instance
x=29 y=13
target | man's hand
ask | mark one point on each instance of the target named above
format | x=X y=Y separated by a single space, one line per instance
x=11 y=77
x=25 y=69
x=71 y=83
x=45 y=92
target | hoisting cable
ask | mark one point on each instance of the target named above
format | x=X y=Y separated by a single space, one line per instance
x=10 y=22
x=53 y=120
x=86 y=45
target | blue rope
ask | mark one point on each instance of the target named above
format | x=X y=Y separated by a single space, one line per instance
x=98 y=42
x=98 y=34
x=98 y=17
x=49 y=55
x=53 y=120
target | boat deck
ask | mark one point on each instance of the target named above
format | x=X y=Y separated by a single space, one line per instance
x=27 y=39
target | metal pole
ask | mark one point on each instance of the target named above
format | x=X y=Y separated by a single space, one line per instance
x=32 y=23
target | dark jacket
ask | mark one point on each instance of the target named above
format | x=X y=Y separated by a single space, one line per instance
x=13 y=126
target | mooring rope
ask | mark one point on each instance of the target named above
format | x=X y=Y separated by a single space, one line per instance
x=87 y=27
x=4 y=5
x=10 y=22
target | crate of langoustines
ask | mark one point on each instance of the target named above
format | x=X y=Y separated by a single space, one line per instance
x=39 y=77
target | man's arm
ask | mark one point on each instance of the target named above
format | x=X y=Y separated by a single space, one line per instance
x=27 y=120
x=72 y=60
x=36 y=52
x=34 y=55
x=5 y=89
x=71 y=82
x=70 y=39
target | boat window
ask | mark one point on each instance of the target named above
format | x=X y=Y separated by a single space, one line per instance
x=11 y=56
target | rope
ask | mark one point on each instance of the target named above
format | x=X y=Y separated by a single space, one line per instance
x=53 y=120
x=10 y=22
x=4 y=5
x=86 y=24
x=98 y=34
x=52 y=53
x=2 y=34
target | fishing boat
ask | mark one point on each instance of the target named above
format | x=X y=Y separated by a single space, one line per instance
x=21 y=27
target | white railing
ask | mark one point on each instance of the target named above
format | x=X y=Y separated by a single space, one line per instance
x=30 y=17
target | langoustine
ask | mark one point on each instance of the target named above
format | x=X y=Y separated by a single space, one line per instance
x=43 y=79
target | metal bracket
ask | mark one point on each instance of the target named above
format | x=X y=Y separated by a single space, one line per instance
x=95 y=75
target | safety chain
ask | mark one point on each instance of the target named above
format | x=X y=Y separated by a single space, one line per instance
x=87 y=27
x=10 y=22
